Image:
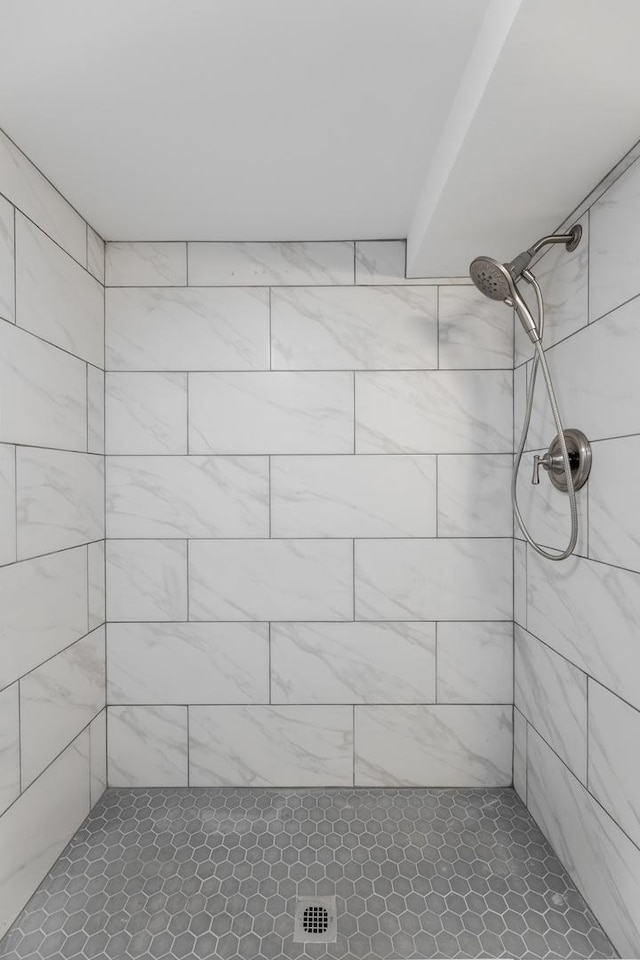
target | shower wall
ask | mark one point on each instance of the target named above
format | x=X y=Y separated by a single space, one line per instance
x=309 y=554
x=577 y=662
x=52 y=635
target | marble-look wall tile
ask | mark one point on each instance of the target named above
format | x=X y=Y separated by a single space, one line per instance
x=96 y=580
x=546 y=511
x=614 y=261
x=95 y=410
x=434 y=411
x=98 y=755
x=475 y=663
x=146 y=579
x=614 y=518
x=7 y=254
x=264 y=746
x=474 y=495
x=95 y=254
x=552 y=694
x=520 y=583
x=56 y=298
x=145 y=264
x=44 y=609
x=27 y=189
x=589 y=613
x=270 y=580
x=449 y=746
x=271 y=413
x=58 y=699
x=60 y=499
x=187 y=497
x=270 y=264
x=9 y=746
x=188 y=663
x=520 y=755
x=474 y=332
x=353 y=662
x=383 y=261
x=35 y=831
x=434 y=579
x=147 y=746
x=194 y=329
x=353 y=496
x=146 y=413
x=8 y=549
x=332 y=328
x=602 y=861
x=44 y=392
x=614 y=747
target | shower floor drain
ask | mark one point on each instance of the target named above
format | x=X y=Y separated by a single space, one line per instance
x=315 y=920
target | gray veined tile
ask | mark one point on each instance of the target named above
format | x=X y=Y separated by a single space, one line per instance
x=188 y=663
x=332 y=328
x=353 y=662
x=197 y=328
x=474 y=495
x=95 y=254
x=271 y=264
x=145 y=264
x=96 y=580
x=474 y=332
x=146 y=413
x=187 y=497
x=9 y=746
x=614 y=264
x=7 y=503
x=614 y=520
x=98 y=755
x=7 y=248
x=95 y=410
x=271 y=745
x=353 y=496
x=520 y=582
x=147 y=746
x=146 y=579
x=475 y=662
x=520 y=755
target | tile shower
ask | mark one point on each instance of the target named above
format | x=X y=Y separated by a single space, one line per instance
x=309 y=550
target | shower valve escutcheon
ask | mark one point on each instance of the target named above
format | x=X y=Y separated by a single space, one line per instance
x=579 y=450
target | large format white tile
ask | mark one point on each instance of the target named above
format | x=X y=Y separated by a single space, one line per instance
x=614 y=747
x=520 y=582
x=7 y=250
x=59 y=699
x=270 y=264
x=520 y=755
x=188 y=663
x=146 y=579
x=60 y=500
x=589 y=613
x=353 y=662
x=552 y=694
x=146 y=413
x=448 y=746
x=614 y=257
x=95 y=254
x=614 y=518
x=95 y=410
x=145 y=264
x=332 y=328
x=147 y=746
x=187 y=329
x=352 y=496
x=474 y=332
x=56 y=298
x=36 y=829
x=271 y=413
x=264 y=746
x=7 y=503
x=43 y=392
x=602 y=861
x=271 y=580
x=475 y=663
x=474 y=495
x=187 y=497
x=9 y=746
x=44 y=609
x=434 y=580
x=28 y=190
x=383 y=261
x=96 y=579
x=435 y=411
x=98 y=755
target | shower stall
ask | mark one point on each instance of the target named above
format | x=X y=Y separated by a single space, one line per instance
x=260 y=694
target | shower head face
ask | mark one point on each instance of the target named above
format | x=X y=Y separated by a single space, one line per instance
x=492 y=278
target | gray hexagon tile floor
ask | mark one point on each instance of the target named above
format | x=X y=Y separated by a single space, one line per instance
x=194 y=874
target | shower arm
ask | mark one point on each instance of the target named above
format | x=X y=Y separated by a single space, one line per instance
x=571 y=240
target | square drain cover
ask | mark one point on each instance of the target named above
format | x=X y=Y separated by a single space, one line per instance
x=315 y=920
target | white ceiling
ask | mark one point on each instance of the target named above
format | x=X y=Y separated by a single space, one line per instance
x=234 y=119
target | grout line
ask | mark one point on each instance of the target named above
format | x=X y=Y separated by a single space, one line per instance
x=353 y=721
x=20 y=783
x=435 y=666
x=188 y=732
x=269 y=663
